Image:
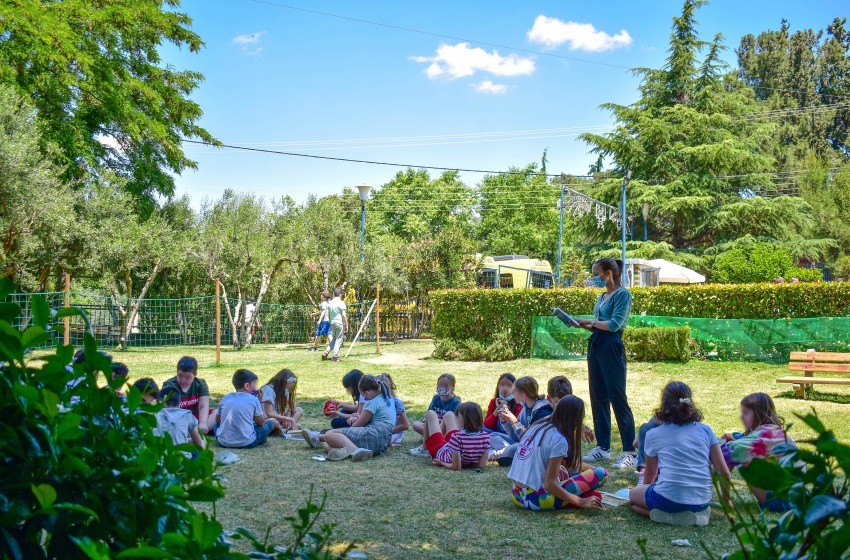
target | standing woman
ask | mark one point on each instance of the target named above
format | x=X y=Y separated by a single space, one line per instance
x=606 y=364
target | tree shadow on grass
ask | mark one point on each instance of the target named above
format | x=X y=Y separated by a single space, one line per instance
x=816 y=396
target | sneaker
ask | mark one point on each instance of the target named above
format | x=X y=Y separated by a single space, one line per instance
x=596 y=454
x=340 y=454
x=682 y=519
x=625 y=461
x=361 y=454
x=312 y=438
x=335 y=359
x=325 y=356
x=505 y=461
x=641 y=475
x=420 y=452
x=311 y=349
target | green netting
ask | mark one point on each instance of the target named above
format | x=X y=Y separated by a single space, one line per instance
x=762 y=340
x=191 y=321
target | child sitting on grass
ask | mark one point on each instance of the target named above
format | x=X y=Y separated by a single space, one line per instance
x=194 y=393
x=278 y=398
x=177 y=422
x=120 y=371
x=502 y=400
x=240 y=421
x=459 y=441
x=764 y=437
x=401 y=422
x=684 y=451
x=369 y=435
x=444 y=401
x=535 y=408
x=346 y=412
x=148 y=388
x=536 y=469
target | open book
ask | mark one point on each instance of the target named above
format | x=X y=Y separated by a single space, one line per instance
x=566 y=318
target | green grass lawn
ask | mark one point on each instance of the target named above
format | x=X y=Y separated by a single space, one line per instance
x=398 y=506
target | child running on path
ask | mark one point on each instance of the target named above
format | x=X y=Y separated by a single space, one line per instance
x=338 y=318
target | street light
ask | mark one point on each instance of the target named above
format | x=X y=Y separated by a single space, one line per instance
x=560 y=231
x=623 y=217
x=645 y=218
x=364 y=196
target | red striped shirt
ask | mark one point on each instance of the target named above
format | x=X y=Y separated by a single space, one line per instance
x=470 y=446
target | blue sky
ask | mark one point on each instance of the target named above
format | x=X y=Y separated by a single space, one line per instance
x=284 y=79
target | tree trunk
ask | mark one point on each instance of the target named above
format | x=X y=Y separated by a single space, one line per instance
x=234 y=329
x=265 y=283
x=136 y=304
x=116 y=297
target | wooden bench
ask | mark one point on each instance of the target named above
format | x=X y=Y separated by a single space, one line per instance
x=811 y=362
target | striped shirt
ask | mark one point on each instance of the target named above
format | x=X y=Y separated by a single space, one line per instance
x=470 y=446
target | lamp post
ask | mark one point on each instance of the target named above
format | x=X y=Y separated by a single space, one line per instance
x=560 y=231
x=626 y=179
x=364 y=196
x=645 y=218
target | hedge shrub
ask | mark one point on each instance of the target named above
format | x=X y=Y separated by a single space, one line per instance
x=658 y=344
x=480 y=314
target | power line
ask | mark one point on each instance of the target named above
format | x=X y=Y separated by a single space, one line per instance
x=440 y=35
x=465 y=141
x=370 y=162
x=429 y=137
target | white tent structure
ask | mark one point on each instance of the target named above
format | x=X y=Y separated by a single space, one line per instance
x=672 y=273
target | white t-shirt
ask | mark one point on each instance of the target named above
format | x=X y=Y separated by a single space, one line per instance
x=269 y=395
x=323 y=311
x=250 y=311
x=237 y=411
x=683 y=460
x=177 y=423
x=539 y=445
x=336 y=307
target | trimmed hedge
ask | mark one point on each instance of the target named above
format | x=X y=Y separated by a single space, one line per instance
x=658 y=344
x=480 y=314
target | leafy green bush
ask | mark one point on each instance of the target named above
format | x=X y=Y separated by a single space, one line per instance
x=470 y=350
x=82 y=471
x=481 y=314
x=803 y=274
x=658 y=344
x=813 y=481
x=758 y=262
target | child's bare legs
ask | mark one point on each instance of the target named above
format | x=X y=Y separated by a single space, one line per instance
x=419 y=428
x=335 y=439
x=432 y=424
x=637 y=497
x=276 y=429
x=297 y=416
x=451 y=422
x=211 y=424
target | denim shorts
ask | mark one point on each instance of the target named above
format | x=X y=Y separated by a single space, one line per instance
x=654 y=500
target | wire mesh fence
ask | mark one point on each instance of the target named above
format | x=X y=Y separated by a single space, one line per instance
x=762 y=340
x=192 y=321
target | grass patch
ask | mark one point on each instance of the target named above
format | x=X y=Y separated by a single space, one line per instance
x=398 y=506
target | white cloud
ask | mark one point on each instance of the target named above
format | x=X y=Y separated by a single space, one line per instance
x=458 y=61
x=553 y=33
x=249 y=38
x=109 y=141
x=489 y=87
